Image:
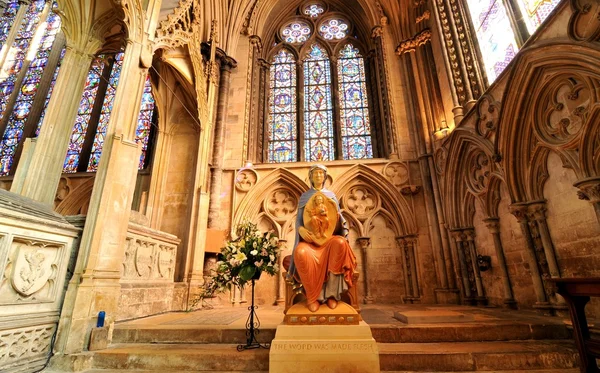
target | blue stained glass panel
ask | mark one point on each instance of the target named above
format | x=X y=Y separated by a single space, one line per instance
x=109 y=98
x=142 y=132
x=313 y=10
x=334 y=29
x=318 y=113
x=282 y=133
x=7 y=20
x=296 y=32
x=27 y=94
x=18 y=52
x=354 y=105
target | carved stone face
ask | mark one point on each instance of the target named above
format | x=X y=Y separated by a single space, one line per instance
x=318 y=178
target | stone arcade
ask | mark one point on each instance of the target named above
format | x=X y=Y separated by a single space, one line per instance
x=461 y=137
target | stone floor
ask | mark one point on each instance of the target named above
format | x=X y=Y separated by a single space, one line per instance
x=483 y=339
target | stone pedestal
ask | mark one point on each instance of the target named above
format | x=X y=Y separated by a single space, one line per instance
x=324 y=348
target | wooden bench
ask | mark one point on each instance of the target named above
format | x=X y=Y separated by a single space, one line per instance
x=577 y=293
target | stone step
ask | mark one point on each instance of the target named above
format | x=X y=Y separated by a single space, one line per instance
x=181 y=358
x=476 y=356
x=382 y=333
x=520 y=356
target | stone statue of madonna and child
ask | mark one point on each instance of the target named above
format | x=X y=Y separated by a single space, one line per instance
x=322 y=259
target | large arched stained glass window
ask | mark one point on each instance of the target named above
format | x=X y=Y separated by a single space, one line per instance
x=282 y=132
x=354 y=105
x=318 y=110
x=26 y=95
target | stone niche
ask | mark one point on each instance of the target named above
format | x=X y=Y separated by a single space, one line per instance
x=36 y=259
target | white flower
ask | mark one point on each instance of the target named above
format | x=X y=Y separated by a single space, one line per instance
x=272 y=257
x=276 y=268
x=259 y=264
x=254 y=244
x=270 y=264
x=274 y=241
x=254 y=252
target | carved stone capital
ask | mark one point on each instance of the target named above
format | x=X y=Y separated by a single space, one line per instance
x=410 y=190
x=406 y=241
x=469 y=234
x=493 y=225
x=537 y=211
x=519 y=211
x=589 y=189
x=458 y=235
x=364 y=242
x=256 y=41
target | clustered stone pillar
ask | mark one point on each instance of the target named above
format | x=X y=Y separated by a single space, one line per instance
x=364 y=243
x=226 y=64
x=465 y=271
x=493 y=225
x=280 y=296
x=407 y=246
x=472 y=257
x=520 y=212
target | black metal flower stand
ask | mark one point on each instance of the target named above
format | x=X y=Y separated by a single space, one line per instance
x=252 y=328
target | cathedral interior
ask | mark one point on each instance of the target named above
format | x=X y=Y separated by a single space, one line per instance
x=461 y=137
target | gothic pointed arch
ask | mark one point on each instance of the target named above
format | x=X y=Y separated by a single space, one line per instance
x=551 y=102
x=276 y=196
x=359 y=182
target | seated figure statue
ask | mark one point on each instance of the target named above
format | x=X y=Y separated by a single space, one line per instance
x=322 y=259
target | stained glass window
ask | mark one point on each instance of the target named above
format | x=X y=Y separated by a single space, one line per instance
x=496 y=38
x=354 y=106
x=8 y=17
x=84 y=114
x=142 y=132
x=282 y=131
x=318 y=110
x=17 y=53
x=296 y=32
x=333 y=29
x=313 y=10
x=109 y=98
x=29 y=88
x=536 y=11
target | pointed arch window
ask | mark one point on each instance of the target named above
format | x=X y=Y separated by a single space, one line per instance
x=318 y=108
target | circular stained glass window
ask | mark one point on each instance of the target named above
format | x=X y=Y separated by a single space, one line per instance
x=334 y=29
x=313 y=10
x=296 y=32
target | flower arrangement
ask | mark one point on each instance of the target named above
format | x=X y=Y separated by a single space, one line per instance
x=244 y=258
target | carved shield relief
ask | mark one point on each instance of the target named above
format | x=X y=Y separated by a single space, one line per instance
x=33 y=267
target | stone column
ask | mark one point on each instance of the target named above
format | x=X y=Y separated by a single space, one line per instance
x=520 y=212
x=364 y=243
x=589 y=190
x=280 y=296
x=493 y=225
x=460 y=239
x=45 y=169
x=537 y=213
x=226 y=64
x=407 y=244
x=470 y=235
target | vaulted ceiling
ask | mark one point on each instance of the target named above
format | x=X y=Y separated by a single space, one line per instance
x=254 y=16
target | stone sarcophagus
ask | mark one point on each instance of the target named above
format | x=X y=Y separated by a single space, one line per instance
x=36 y=258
